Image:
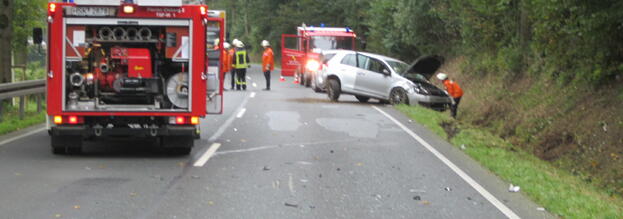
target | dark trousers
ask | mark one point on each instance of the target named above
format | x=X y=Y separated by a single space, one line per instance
x=267 y=76
x=454 y=107
x=241 y=79
x=232 y=74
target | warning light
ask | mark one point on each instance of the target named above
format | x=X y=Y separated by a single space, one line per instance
x=180 y=120
x=203 y=10
x=194 y=120
x=52 y=7
x=128 y=9
x=58 y=120
x=73 y=120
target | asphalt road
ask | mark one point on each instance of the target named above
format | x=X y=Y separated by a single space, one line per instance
x=284 y=153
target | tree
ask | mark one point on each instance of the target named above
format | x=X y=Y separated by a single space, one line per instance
x=6 y=32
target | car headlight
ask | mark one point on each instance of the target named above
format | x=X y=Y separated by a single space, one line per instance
x=312 y=65
x=419 y=89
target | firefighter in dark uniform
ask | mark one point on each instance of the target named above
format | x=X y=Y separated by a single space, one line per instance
x=240 y=63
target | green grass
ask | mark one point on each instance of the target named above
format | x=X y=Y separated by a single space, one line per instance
x=11 y=121
x=556 y=190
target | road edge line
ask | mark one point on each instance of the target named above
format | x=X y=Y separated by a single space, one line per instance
x=11 y=139
x=486 y=194
x=207 y=155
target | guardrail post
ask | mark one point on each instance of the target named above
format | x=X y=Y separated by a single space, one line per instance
x=22 y=101
x=38 y=103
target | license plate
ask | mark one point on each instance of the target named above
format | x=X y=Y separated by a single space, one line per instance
x=90 y=11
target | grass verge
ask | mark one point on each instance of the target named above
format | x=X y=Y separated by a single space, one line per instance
x=11 y=121
x=556 y=190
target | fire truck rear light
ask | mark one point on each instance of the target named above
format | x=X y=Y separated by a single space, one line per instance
x=73 y=120
x=58 y=120
x=52 y=7
x=180 y=120
x=128 y=9
x=203 y=10
x=194 y=120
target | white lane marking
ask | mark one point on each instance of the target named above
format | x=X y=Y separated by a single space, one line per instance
x=499 y=205
x=290 y=184
x=206 y=156
x=228 y=122
x=241 y=113
x=252 y=95
x=254 y=85
x=21 y=136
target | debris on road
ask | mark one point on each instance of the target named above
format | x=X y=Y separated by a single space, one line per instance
x=304 y=180
x=540 y=209
x=76 y=206
x=320 y=175
x=210 y=203
x=57 y=215
x=195 y=177
x=266 y=168
x=132 y=194
x=338 y=169
x=158 y=177
x=448 y=189
x=87 y=168
x=425 y=202
x=243 y=140
x=235 y=129
x=359 y=164
x=331 y=151
x=291 y=205
x=513 y=188
x=416 y=190
x=417 y=198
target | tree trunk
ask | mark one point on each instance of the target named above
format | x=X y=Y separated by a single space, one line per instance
x=6 y=32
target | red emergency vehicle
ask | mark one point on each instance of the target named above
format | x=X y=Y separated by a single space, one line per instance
x=300 y=53
x=139 y=68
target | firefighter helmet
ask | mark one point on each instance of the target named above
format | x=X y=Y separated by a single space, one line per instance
x=442 y=76
x=265 y=43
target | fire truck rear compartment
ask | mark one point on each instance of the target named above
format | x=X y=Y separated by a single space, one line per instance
x=126 y=68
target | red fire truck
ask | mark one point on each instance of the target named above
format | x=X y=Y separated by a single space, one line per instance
x=130 y=68
x=300 y=53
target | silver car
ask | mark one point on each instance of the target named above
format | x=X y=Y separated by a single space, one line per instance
x=368 y=75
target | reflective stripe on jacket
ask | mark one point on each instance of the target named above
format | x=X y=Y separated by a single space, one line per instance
x=268 y=58
x=241 y=59
x=453 y=88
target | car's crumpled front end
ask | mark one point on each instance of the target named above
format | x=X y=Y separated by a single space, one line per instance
x=428 y=95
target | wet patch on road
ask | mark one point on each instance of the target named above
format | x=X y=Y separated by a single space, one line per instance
x=357 y=128
x=284 y=120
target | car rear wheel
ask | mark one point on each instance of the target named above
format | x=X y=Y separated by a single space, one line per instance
x=333 y=90
x=362 y=99
x=398 y=96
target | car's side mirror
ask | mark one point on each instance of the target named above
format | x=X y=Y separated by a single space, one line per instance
x=386 y=72
x=37 y=35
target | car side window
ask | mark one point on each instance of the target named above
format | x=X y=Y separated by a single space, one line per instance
x=349 y=60
x=376 y=65
x=362 y=61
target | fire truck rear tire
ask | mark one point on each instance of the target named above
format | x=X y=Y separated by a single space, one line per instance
x=66 y=144
x=177 y=145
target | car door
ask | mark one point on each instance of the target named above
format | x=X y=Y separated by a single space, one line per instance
x=373 y=78
x=347 y=70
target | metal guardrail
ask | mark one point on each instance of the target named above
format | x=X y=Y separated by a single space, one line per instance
x=22 y=89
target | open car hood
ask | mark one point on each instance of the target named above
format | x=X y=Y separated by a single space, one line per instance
x=425 y=65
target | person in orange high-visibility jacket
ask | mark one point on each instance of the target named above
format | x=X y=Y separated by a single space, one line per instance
x=232 y=73
x=268 y=62
x=225 y=59
x=454 y=90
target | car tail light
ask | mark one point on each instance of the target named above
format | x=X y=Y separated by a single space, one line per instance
x=194 y=120
x=73 y=120
x=312 y=65
x=180 y=120
x=58 y=120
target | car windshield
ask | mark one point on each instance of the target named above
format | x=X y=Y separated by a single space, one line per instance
x=399 y=67
x=331 y=42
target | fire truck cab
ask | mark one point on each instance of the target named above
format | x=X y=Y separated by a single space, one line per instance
x=130 y=68
x=300 y=53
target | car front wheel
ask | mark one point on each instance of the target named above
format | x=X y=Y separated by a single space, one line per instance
x=398 y=96
x=333 y=90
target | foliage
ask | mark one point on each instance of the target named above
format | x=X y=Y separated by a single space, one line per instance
x=27 y=15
